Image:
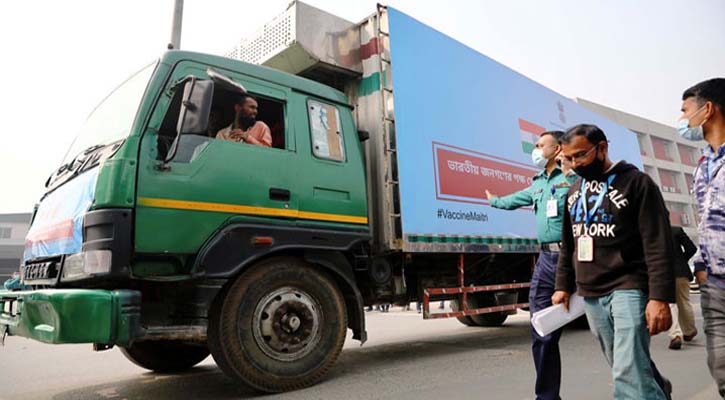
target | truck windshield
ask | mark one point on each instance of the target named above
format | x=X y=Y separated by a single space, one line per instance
x=112 y=119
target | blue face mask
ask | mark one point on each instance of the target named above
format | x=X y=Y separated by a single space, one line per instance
x=691 y=133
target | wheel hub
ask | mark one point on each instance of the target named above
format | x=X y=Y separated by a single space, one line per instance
x=286 y=324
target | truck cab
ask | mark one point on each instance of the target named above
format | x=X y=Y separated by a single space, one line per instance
x=158 y=237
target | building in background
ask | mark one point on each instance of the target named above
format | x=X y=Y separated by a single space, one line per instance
x=668 y=159
x=13 y=228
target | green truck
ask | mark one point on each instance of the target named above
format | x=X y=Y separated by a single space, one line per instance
x=158 y=238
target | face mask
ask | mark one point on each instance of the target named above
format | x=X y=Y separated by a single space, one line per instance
x=537 y=156
x=593 y=170
x=691 y=133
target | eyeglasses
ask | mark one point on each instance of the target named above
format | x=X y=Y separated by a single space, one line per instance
x=578 y=157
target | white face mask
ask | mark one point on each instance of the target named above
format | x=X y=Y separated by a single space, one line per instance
x=537 y=156
x=691 y=133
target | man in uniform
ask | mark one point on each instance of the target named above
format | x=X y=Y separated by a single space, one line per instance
x=547 y=194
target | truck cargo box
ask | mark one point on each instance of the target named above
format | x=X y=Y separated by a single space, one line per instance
x=446 y=124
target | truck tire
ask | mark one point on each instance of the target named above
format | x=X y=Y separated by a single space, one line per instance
x=166 y=355
x=466 y=319
x=488 y=319
x=280 y=326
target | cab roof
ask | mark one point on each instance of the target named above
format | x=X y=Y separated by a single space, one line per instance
x=172 y=57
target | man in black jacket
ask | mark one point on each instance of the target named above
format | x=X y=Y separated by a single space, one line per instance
x=617 y=253
x=684 y=319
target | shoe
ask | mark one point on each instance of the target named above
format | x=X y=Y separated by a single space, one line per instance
x=667 y=388
x=688 y=338
x=676 y=343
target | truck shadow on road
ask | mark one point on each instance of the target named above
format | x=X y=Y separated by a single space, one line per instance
x=353 y=365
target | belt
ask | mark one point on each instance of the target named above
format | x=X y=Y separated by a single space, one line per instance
x=552 y=246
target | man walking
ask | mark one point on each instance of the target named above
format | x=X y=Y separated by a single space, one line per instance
x=703 y=117
x=547 y=194
x=617 y=253
x=684 y=319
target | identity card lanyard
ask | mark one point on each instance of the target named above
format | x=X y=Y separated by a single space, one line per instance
x=585 y=243
x=552 y=208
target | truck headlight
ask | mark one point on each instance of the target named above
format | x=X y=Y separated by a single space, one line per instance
x=86 y=264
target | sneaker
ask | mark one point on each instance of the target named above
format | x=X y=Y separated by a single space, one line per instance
x=688 y=338
x=676 y=343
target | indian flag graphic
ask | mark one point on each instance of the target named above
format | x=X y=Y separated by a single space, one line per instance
x=529 y=135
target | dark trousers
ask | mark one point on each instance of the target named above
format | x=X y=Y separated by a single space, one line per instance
x=545 y=349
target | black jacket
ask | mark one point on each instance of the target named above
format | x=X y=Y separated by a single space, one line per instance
x=684 y=250
x=631 y=235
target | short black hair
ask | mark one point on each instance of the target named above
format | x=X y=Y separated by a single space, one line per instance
x=592 y=132
x=710 y=90
x=240 y=98
x=556 y=134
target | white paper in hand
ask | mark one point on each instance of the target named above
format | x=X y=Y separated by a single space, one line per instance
x=552 y=318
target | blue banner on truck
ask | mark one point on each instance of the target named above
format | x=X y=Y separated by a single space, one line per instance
x=58 y=224
x=466 y=124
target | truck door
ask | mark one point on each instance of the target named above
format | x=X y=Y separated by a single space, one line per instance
x=180 y=204
x=332 y=181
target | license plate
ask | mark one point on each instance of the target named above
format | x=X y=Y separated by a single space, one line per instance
x=38 y=271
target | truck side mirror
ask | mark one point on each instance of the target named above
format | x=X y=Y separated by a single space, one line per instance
x=194 y=114
x=363 y=135
x=195 y=107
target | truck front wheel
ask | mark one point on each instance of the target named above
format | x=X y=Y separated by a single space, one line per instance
x=165 y=355
x=280 y=326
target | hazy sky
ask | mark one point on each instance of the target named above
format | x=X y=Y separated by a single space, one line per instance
x=60 y=58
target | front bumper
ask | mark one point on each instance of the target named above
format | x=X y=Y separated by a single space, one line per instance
x=72 y=315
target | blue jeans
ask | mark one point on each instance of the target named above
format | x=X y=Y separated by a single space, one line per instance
x=618 y=321
x=545 y=349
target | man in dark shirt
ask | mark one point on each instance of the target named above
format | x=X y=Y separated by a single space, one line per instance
x=616 y=251
x=683 y=321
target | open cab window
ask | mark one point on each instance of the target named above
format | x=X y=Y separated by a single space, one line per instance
x=220 y=115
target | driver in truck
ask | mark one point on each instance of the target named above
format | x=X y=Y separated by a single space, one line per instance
x=245 y=127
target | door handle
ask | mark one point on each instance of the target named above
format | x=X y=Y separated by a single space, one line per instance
x=279 y=194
